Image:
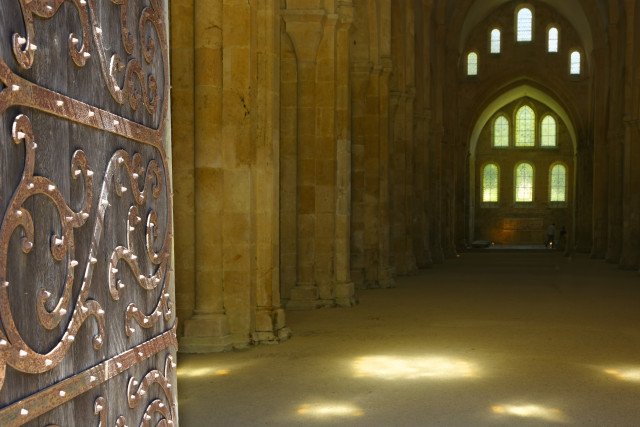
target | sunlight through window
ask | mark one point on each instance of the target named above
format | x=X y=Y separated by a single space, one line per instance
x=525 y=25
x=558 y=184
x=524 y=183
x=531 y=411
x=495 y=41
x=501 y=132
x=548 y=132
x=575 y=63
x=490 y=183
x=408 y=368
x=525 y=127
x=552 y=42
x=472 y=64
x=326 y=410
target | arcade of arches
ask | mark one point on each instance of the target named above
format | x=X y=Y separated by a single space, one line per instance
x=321 y=147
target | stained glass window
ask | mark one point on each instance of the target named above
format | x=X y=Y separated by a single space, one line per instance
x=524 y=183
x=525 y=127
x=495 y=41
x=501 y=132
x=552 y=41
x=548 y=132
x=490 y=183
x=558 y=184
x=525 y=25
x=472 y=64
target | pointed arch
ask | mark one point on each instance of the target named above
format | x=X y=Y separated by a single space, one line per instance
x=524 y=90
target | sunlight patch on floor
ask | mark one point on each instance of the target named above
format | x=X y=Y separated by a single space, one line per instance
x=625 y=374
x=203 y=371
x=531 y=411
x=328 y=410
x=407 y=368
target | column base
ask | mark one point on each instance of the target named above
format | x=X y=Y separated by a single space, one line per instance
x=270 y=327
x=385 y=278
x=304 y=297
x=346 y=294
x=206 y=334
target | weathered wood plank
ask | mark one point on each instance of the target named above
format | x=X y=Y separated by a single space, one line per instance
x=91 y=288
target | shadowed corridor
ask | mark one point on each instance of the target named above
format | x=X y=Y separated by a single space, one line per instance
x=492 y=338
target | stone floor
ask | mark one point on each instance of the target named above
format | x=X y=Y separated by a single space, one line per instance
x=493 y=338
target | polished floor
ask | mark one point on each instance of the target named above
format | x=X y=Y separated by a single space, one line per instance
x=493 y=338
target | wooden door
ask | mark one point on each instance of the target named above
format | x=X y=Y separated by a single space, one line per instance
x=87 y=333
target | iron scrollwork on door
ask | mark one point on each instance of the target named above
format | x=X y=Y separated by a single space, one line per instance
x=101 y=292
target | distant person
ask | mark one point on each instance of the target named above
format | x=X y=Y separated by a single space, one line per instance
x=551 y=231
x=563 y=238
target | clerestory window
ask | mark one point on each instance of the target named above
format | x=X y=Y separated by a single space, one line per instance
x=472 y=64
x=495 y=41
x=575 y=63
x=552 y=40
x=524 y=25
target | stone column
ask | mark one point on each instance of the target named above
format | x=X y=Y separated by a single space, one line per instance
x=385 y=273
x=288 y=164
x=371 y=206
x=326 y=161
x=631 y=196
x=631 y=206
x=361 y=122
x=410 y=193
x=584 y=198
x=208 y=329
x=615 y=137
x=269 y=321
x=410 y=11
x=436 y=153
x=306 y=30
x=601 y=155
x=182 y=112
x=344 y=287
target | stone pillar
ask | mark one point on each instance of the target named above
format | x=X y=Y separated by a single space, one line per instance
x=584 y=198
x=361 y=122
x=288 y=164
x=410 y=11
x=631 y=197
x=269 y=320
x=437 y=155
x=305 y=29
x=601 y=155
x=615 y=137
x=326 y=161
x=422 y=123
x=371 y=206
x=631 y=206
x=182 y=112
x=385 y=273
x=208 y=329
x=616 y=161
x=435 y=195
x=344 y=287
